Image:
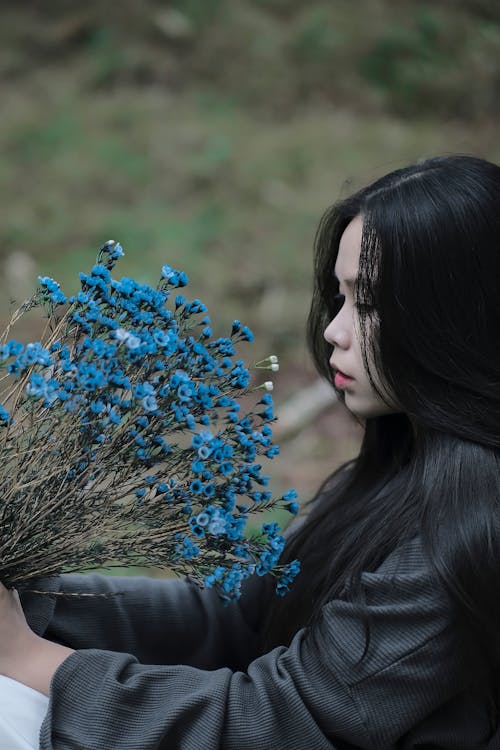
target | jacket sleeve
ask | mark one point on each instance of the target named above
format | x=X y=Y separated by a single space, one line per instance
x=158 y=620
x=317 y=693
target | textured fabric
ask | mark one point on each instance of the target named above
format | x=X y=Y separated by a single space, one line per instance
x=22 y=711
x=211 y=689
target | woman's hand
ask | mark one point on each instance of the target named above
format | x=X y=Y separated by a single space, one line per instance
x=24 y=656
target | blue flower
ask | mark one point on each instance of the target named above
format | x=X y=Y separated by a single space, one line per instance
x=197 y=466
x=117 y=251
x=187 y=549
x=185 y=392
x=143 y=389
x=174 y=278
x=97 y=406
x=204 y=451
x=48 y=283
x=39 y=387
x=197 y=441
x=15 y=348
x=288 y=574
x=267 y=414
x=101 y=271
x=58 y=298
x=114 y=416
x=203 y=519
x=272 y=451
x=217 y=526
x=149 y=403
x=196 y=529
x=127 y=338
x=246 y=334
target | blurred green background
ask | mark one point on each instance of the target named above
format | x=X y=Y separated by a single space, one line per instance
x=212 y=134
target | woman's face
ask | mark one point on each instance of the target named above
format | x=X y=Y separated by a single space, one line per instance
x=343 y=333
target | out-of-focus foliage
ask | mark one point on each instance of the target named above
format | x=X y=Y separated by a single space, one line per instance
x=413 y=58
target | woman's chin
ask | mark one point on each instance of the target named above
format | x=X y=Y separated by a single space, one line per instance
x=366 y=408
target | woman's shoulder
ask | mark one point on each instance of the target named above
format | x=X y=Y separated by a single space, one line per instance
x=403 y=610
x=397 y=645
x=405 y=573
x=407 y=558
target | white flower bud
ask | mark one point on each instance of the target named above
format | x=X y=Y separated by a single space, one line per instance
x=269 y=385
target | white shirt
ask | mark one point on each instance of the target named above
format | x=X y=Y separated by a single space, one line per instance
x=22 y=711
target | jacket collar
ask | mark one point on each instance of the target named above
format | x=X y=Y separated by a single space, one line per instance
x=39 y=598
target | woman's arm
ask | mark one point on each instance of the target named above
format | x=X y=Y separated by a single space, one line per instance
x=315 y=693
x=159 y=621
x=107 y=700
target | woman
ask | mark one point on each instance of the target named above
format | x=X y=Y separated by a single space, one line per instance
x=390 y=637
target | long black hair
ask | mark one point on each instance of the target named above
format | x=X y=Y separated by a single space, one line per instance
x=429 y=273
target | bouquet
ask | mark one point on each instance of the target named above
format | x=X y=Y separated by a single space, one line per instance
x=124 y=442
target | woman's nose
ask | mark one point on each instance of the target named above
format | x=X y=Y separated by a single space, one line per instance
x=337 y=334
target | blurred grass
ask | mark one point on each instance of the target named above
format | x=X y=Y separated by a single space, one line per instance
x=232 y=198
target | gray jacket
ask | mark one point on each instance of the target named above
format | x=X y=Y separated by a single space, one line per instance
x=165 y=665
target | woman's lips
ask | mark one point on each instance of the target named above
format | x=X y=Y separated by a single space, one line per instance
x=341 y=379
